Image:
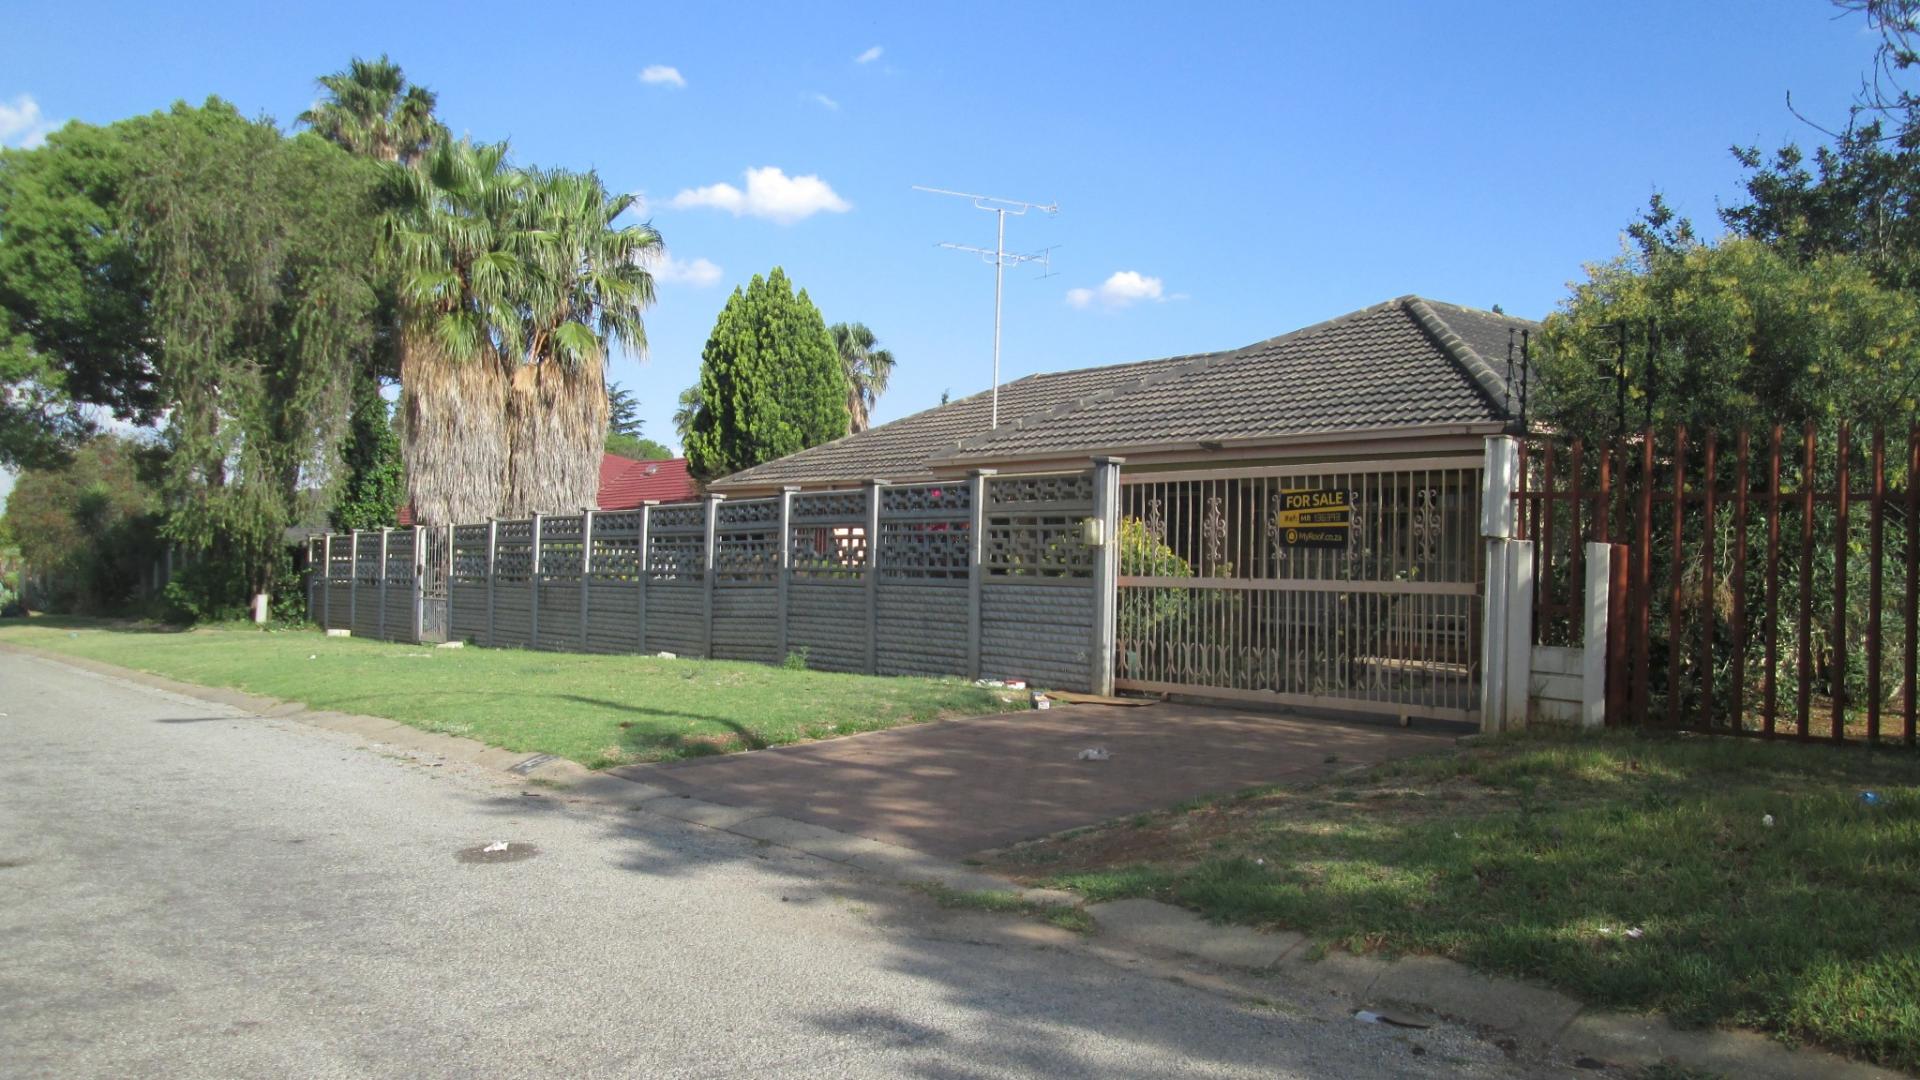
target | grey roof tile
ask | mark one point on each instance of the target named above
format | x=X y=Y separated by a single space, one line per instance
x=1405 y=363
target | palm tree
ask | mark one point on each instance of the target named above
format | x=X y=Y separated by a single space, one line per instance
x=372 y=110
x=687 y=413
x=867 y=370
x=463 y=274
x=587 y=289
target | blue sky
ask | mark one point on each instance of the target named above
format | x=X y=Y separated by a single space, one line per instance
x=1224 y=173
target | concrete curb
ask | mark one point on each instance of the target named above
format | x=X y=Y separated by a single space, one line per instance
x=1419 y=984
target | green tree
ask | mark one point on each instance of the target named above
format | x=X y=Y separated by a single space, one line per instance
x=771 y=383
x=685 y=413
x=88 y=525
x=375 y=484
x=370 y=109
x=637 y=447
x=74 y=327
x=1748 y=335
x=624 y=428
x=867 y=369
x=258 y=253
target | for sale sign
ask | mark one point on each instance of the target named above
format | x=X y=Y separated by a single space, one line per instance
x=1315 y=518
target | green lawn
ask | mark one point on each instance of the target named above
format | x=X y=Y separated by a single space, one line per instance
x=597 y=710
x=1637 y=872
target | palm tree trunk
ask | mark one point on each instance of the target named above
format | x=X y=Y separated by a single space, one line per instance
x=453 y=435
x=557 y=431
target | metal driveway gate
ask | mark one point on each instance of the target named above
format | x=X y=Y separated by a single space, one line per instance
x=1352 y=586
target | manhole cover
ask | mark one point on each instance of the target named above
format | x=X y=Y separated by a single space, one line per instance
x=496 y=853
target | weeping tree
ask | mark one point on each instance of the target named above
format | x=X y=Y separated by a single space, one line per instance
x=460 y=258
x=256 y=253
x=586 y=288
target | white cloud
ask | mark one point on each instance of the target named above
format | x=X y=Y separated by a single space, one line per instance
x=698 y=273
x=21 y=123
x=869 y=56
x=662 y=75
x=1122 y=289
x=827 y=102
x=770 y=194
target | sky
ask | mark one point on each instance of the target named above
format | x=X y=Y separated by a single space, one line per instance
x=1223 y=173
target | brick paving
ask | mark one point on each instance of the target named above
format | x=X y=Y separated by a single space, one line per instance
x=955 y=787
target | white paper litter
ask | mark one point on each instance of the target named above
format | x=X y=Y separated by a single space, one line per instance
x=497 y=845
x=1095 y=753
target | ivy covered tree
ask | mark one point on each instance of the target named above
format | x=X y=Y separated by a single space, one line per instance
x=771 y=382
x=375 y=483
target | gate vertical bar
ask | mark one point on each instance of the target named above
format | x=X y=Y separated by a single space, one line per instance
x=1737 y=705
x=783 y=582
x=1913 y=581
x=1618 y=557
x=1842 y=467
x=707 y=564
x=1707 y=607
x=1675 y=586
x=1874 y=583
x=1804 y=697
x=586 y=568
x=326 y=581
x=872 y=526
x=1770 y=679
x=1643 y=588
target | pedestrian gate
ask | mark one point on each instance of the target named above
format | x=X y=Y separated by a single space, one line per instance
x=1350 y=586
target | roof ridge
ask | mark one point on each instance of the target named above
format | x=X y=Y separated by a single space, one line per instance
x=1471 y=363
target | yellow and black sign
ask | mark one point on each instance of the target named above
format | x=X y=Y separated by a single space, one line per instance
x=1313 y=519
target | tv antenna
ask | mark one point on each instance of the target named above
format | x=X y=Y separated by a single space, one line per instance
x=999 y=258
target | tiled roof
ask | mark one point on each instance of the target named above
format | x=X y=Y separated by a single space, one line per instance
x=1404 y=363
x=626 y=483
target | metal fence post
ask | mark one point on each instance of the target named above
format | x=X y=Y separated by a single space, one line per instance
x=586 y=567
x=976 y=564
x=533 y=588
x=1106 y=564
x=353 y=579
x=493 y=548
x=383 y=582
x=706 y=576
x=873 y=574
x=785 y=579
x=646 y=562
x=419 y=583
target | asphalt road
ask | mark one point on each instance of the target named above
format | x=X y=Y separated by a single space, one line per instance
x=188 y=890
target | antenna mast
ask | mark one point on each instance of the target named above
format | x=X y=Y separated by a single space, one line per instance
x=999 y=258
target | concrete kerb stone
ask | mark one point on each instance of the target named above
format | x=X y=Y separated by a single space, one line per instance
x=700 y=812
x=1163 y=926
x=1437 y=983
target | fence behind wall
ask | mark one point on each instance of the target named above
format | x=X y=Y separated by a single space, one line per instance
x=995 y=576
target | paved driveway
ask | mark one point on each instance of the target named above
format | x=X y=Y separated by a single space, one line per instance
x=959 y=786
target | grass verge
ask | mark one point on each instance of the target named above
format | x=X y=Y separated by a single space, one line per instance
x=1065 y=916
x=597 y=710
x=1719 y=881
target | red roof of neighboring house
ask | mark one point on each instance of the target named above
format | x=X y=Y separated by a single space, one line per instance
x=626 y=483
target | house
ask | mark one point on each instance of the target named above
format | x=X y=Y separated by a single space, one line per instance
x=1298 y=520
